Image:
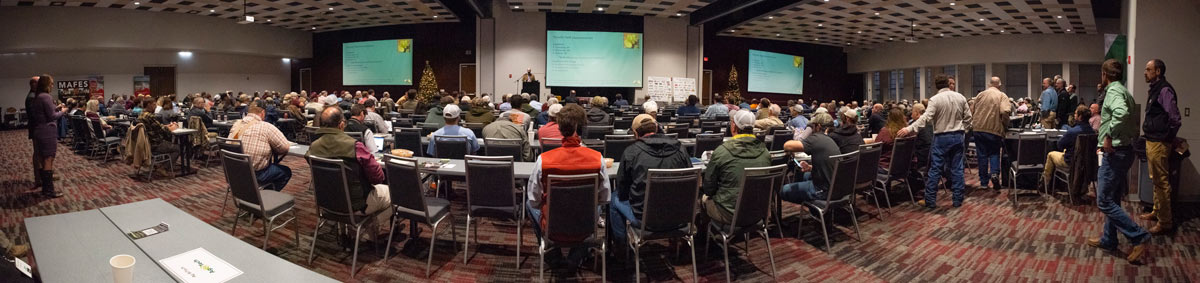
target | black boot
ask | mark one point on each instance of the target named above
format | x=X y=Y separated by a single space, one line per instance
x=48 y=185
x=37 y=178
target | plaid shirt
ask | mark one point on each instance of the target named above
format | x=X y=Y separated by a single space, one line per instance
x=259 y=140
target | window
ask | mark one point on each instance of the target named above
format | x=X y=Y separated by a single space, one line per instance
x=979 y=81
x=895 y=80
x=1017 y=85
x=916 y=87
x=876 y=93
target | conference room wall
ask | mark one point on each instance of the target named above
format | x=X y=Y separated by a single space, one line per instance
x=202 y=72
x=444 y=45
x=520 y=43
x=824 y=67
x=976 y=50
x=1170 y=30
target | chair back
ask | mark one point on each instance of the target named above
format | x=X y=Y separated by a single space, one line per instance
x=404 y=186
x=1031 y=148
x=231 y=145
x=80 y=129
x=408 y=138
x=476 y=128
x=707 y=142
x=868 y=164
x=615 y=146
x=679 y=129
x=622 y=123
x=710 y=127
x=429 y=128
x=549 y=144
x=1083 y=162
x=239 y=174
x=902 y=155
x=504 y=147
x=97 y=129
x=668 y=204
x=418 y=118
x=358 y=136
x=779 y=137
x=571 y=213
x=452 y=147
x=402 y=122
x=844 y=168
x=490 y=181
x=597 y=132
x=332 y=190
x=755 y=197
x=779 y=157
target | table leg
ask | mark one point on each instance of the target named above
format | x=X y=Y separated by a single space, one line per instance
x=185 y=154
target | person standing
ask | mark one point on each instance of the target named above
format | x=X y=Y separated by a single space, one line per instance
x=1063 y=109
x=43 y=122
x=990 y=121
x=1160 y=128
x=37 y=166
x=949 y=114
x=1049 y=99
x=1116 y=136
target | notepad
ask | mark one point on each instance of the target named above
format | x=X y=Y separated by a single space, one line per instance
x=199 y=266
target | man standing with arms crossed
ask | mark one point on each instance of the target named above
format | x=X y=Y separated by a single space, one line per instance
x=949 y=114
x=1159 y=128
x=1116 y=136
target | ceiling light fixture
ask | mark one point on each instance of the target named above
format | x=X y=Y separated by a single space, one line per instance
x=876 y=13
x=185 y=54
x=137 y=3
x=286 y=60
x=314 y=28
x=951 y=3
x=1001 y=31
x=860 y=31
x=891 y=38
x=1068 y=30
x=516 y=7
x=434 y=16
x=981 y=19
x=268 y=20
x=678 y=14
x=600 y=9
x=776 y=34
x=820 y=25
x=941 y=34
x=212 y=11
x=733 y=30
x=770 y=17
x=1059 y=17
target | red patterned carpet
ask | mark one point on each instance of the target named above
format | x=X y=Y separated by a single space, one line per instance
x=984 y=241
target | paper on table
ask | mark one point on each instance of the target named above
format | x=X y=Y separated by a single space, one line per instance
x=23 y=267
x=199 y=265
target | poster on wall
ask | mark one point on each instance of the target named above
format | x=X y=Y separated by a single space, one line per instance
x=141 y=85
x=73 y=89
x=96 y=87
x=682 y=88
x=659 y=88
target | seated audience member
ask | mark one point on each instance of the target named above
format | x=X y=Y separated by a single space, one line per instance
x=742 y=104
x=1095 y=120
x=1056 y=159
x=356 y=125
x=761 y=112
x=754 y=104
x=92 y=112
x=621 y=100
x=160 y=136
x=723 y=172
x=480 y=112
x=770 y=121
x=550 y=130
x=846 y=134
x=690 y=107
x=509 y=126
x=877 y=119
x=166 y=107
x=887 y=135
x=719 y=107
x=544 y=117
x=381 y=125
x=526 y=107
x=598 y=114
x=408 y=101
x=653 y=150
x=201 y=109
x=507 y=102
x=451 y=113
x=294 y=109
x=434 y=115
x=818 y=174
x=368 y=192
x=650 y=107
x=570 y=159
x=262 y=142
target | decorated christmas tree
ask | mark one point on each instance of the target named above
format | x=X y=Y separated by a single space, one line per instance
x=733 y=92
x=428 y=90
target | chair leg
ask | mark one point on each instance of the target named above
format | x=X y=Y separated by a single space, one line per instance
x=603 y=262
x=267 y=231
x=236 y=219
x=354 y=258
x=692 y=248
x=224 y=201
x=725 y=246
x=313 y=247
x=854 y=218
x=825 y=230
x=392 y=231
x=432 y=242
x=637 y=263
x=770 y=253
x=878 y=207
x=296 y=226
x=520 y=240
x=467 y=241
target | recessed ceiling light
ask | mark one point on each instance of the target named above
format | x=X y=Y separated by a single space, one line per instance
x=733 y=30
x=137 y=3
x=1059 y=17
x=678 y=14
x=1068 y=30
x=860 y=31
x=600 y=9
x=890 y=38
x=876 y=13
x=212 y=11
x=314 y=28
x=331 y=8
x=820 y=25
x=816 y=39
x=770 y=17
x=516 y=7
x=285 y=60
x=914 y=25
x=951 y=3
x=941 y=34
x=847 y=43
x=776 y=34
x=981 y=19
x=268 y=20
x=1001 y=31
x=434 y=16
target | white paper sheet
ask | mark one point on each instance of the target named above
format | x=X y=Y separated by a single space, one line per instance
x=198 y=265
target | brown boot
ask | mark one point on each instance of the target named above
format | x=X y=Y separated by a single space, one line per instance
x=1095 y=242
x=1136 y=253
x=1161 y=228
x=1149 y=216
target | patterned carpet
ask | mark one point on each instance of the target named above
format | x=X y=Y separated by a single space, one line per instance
x=984 y=241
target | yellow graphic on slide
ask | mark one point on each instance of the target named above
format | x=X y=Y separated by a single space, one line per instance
x=632 y=41
x=797 y=61
x=404 y=45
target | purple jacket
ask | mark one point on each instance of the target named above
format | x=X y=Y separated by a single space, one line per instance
x=43 y=118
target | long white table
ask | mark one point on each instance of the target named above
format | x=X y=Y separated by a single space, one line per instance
x=76 y=246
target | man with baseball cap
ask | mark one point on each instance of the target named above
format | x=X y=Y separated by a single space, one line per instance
x=450 y=113
x=846 y=134
x=652 y=150
x=723 y=173
x=550 y=130
x=818 y=175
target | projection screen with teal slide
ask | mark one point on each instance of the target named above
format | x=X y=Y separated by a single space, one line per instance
x=593 y=59
x=776 y=73
x=379 y=62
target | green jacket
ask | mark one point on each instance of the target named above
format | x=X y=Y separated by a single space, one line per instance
x=1115 y=119
x=480 y=115
x=529 y=110
x=435 y=116
x=723 y=173
x=333 y=143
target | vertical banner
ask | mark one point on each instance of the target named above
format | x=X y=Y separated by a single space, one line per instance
x=96 y=87
x=141 y=85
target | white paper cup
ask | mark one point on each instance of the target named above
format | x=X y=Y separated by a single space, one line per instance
x=122 y=268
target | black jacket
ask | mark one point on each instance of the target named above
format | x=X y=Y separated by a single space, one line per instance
x=1157 y=126
x=847 y=138
x=652 y=152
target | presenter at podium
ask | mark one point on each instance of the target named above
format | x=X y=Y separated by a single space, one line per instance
x=528 y=76
x=530 y=84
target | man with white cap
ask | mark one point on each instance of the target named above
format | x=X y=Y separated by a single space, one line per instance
x=451 y=112
x=550 y=129
x=723 y=172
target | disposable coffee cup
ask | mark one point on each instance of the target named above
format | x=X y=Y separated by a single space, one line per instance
x=122 y=268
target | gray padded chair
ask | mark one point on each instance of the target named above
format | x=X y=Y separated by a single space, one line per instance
x=841 y=194
x=332 y=195
x=571 y=215
x=504 y=147
x=615 y=146
x=409 y=202
x=868 y=171
x=251 y=198
x=666 y=212
x=750 y=212
x=492 y=193
x=1031 y=156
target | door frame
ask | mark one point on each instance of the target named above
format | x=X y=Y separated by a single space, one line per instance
x=475 y=77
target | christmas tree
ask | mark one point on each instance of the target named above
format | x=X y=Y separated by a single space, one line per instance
x=733 y=92
x=428 y=90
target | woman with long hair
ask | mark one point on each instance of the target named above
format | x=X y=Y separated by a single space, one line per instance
x=43 y=119
x=887 y=135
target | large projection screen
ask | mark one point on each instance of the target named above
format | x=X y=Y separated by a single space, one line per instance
x=379 y=62
x=593 y=59
x=776 y=73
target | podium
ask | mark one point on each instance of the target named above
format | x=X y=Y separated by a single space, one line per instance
x=533 y=88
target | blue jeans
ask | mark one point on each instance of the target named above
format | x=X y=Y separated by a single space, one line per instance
x=275 y=175
x=618 y=212
x=987 y=149
x=1111 y=184
x=947 y=155
x=802 y=191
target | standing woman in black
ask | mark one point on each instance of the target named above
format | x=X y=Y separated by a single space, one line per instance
x=43 y=119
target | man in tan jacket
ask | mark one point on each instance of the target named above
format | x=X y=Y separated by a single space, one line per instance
x=990 y=119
